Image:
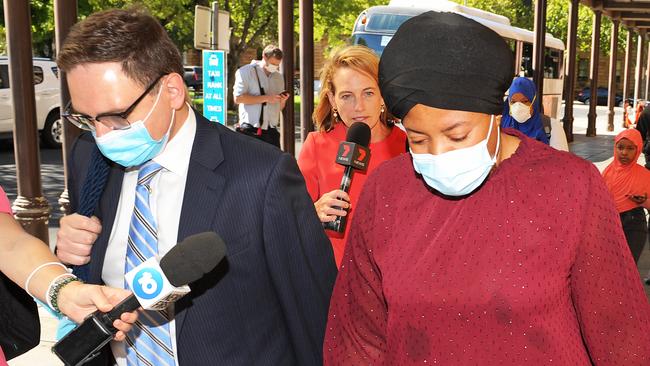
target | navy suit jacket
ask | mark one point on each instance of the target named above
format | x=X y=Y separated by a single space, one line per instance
x=267 y=302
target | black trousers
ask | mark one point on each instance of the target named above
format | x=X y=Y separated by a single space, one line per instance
x=635 y=228
x=271 y=135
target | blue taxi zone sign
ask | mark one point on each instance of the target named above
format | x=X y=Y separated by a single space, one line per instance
x=215 y=101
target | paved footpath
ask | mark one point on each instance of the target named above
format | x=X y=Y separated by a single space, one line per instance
x=598 y=150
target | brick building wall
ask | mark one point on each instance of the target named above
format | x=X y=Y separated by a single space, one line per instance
x=583 y=64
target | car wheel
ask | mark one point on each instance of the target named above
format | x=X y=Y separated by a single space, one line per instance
x=53 y=130
x=586 y=101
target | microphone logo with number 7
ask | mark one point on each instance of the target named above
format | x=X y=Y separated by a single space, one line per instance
x=353 y=155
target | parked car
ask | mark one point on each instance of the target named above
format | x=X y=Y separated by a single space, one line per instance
x=193 y=77
x=603 y=94
x=47 y=94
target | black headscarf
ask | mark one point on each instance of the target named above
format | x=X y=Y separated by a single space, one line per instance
x=447 y=61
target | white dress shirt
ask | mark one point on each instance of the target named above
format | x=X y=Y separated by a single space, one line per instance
x=165 y=205
x=246 y=83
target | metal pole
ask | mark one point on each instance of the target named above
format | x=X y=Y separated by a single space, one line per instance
x=570 y=75
x=65 y=15
x=519 y=48
x=306 y=8
x=31 y=208
x=539 y=47
x=595 y=52
x=215 y=24
x=613 y=55
x=285 y=20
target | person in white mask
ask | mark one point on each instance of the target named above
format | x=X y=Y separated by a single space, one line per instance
x=481 y=246
x=259 y=91
x=522 y=112
x=172 y=173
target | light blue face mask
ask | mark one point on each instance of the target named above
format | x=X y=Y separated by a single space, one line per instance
x=133 y=146
x=458 y=172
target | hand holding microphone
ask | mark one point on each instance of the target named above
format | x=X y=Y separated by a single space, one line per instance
x=332 y=204
x=353 y=154
x=155 y=285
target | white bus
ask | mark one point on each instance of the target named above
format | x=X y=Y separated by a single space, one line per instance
x=376 y=26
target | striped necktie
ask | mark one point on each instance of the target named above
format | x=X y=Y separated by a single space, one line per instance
x=149 y=340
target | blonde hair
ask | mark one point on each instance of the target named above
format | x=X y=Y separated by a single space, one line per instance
x=359 y=58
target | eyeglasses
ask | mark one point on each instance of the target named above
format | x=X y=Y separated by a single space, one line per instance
x=114 y=121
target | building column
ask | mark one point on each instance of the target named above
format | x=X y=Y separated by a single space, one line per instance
x=593 y=76
x=646 y=95
x=306 y=9
x=638 y=69
x=539 y=47
x=285 y=21
x=628 y=60
x=65 y=15
x=31 y=209
x=570 y=70
x=613 y=54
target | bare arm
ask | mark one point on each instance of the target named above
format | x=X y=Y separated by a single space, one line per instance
x=21 y=253
x=252 y=99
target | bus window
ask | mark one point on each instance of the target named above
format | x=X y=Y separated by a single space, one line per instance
x=376 y=42
x=527 y=60
x=552 y=60
x=385 y=22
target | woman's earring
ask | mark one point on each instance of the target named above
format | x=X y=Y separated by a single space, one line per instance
x=335 y=114
x=382 y=109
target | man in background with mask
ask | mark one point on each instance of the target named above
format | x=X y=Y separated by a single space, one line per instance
x=259 y=91
x=173 y=174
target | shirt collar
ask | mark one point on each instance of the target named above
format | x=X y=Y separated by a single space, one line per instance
x=176 y=155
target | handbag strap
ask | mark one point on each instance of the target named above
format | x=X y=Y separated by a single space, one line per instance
x=261 y=120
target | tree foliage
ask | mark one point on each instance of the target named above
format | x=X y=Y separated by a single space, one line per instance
x=334 y=19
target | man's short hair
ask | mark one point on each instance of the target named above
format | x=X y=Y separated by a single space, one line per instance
x=131 y=37
x=272 y=51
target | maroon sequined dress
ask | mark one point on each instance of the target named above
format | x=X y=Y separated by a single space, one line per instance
x=532 y=269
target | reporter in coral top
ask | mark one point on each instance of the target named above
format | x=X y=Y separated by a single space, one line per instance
x=349 y=93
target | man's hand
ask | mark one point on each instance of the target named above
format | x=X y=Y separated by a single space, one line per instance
x=77 y=300
x=76 y=237
x=277 y=98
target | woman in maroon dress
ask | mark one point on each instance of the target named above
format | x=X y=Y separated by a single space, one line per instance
x=486 y=247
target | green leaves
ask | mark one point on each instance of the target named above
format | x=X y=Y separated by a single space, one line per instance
x=334 y=19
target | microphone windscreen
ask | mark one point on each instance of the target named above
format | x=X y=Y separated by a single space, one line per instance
x=359 y=133
x=190 y=259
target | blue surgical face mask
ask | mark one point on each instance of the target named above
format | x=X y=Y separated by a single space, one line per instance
x=458 y=172
x=133 y=146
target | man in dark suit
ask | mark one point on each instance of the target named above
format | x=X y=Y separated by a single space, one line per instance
x=173 y=174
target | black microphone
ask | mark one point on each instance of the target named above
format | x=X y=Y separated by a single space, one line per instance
x=184 y=263
x=353 y=154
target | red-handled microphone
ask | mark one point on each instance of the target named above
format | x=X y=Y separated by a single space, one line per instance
x=353 y=154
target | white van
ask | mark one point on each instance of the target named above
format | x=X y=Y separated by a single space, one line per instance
x=47 y=93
